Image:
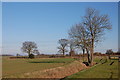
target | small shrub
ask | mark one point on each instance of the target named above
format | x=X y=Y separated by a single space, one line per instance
x=109 y=52
x=31 y=56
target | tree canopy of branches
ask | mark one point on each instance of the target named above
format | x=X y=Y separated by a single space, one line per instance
x=80 y=37
x=63 y=44
x=36 y=52
x=90 y=30
x=29 y=47
x=95 y=25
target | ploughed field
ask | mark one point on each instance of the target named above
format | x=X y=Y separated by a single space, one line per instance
x=14 y=67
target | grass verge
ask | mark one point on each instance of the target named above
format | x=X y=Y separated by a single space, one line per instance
x=98 y=71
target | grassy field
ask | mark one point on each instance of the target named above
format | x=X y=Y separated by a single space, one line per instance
x=98 y=71
x=15 y=67
x=19 y=66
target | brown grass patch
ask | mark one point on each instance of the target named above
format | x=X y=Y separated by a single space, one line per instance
x=59 y=72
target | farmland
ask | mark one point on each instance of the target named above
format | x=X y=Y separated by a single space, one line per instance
x=98 y=71
x=54 y=68
x=20 y=66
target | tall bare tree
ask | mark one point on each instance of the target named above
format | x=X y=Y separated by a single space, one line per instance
x=29 y=47
x=90 y=31
x=81 y=37
x=63 y=44
x=95 y=25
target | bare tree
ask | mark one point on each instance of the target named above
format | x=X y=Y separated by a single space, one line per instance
x=29 y=47
x=72 y=45
x=81 y=37
x=90 y=31
x=63 y=44
x=95 y=25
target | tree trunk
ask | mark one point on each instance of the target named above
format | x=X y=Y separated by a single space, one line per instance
x=88 y=56
x=70 y=51
x=63 y=52
x=83 y=54
x=92 y=52
x=29 y=53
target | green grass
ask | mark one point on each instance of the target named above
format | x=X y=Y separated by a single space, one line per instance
x=19 y=66
x=98 y=71
x=16 y=67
